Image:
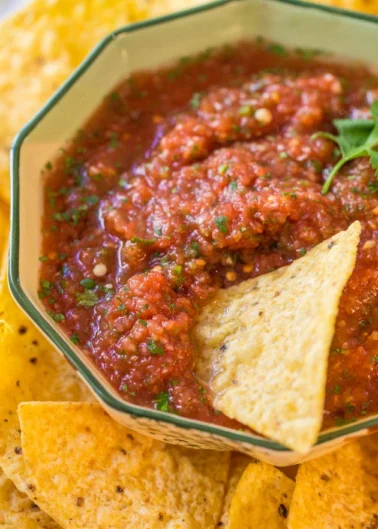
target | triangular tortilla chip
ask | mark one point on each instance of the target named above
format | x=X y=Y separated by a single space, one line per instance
x=262 y=499
x=17 y=511
x=336 y=491
x=88 y=471
x=263 y=345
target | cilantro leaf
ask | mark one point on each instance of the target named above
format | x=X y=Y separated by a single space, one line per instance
x=356 y=138
x=161 y=401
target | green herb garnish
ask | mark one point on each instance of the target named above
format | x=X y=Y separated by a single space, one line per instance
x=139 y=240
x=357 y=138
x=56 y=317
x=88 y=283
x=161 y=401
x=221 y=223
x=75 y=339
x=87 y=299
x=154 y=347
x=196 y=99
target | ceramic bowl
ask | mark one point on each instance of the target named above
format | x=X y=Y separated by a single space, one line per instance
x=150 y=45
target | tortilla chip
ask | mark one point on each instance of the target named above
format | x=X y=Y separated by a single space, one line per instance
x=17 y=511
x=30 y=369
x=262 y=499
x=335 y=491
x=238 y=464
x=263 y=345
x=88 y=471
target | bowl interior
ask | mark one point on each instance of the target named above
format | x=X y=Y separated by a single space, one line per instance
x=145 y=46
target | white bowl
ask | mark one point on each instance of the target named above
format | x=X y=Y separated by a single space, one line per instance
x=145 y=46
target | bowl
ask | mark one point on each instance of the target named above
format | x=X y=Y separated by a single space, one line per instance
x=149 y=45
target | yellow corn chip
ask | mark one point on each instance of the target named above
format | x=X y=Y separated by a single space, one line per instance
x=88 y=471
x=263 y=345
x=262 y=499
x=30 y=369
x=17 y=511
x=238 y=464
x=335 y=491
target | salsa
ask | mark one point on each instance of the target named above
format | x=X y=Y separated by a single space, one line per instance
x=196 y=177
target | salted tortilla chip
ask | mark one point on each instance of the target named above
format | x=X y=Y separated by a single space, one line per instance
x=17 y=511
x=262 y=499
x=87 y=471
x=263 y=345
x=30 y=369
x=238 y=464
x=336 y=491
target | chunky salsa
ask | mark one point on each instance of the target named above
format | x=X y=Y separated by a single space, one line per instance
x=196 y=177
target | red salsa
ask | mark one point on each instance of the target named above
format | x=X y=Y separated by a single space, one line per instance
x=194 y=178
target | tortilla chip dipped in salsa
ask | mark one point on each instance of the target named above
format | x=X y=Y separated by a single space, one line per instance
x=87 y=471
x=264 y=343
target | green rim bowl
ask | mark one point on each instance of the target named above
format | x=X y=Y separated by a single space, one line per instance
x=148 y=45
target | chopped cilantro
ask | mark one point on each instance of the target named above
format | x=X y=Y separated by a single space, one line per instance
x=113 y=144
x=154 y=347
x=336 y=389
x=56 y=316
x=161 y=401
x=75 y=339
x=195 y=248
x=196 y=99
x=222 y=169
x=87 y=299
x=233 y=186
x=222 y=223
x=88 y=283
x=277 y=49
x=142 y=322
x=91 y=200
x=139 y=240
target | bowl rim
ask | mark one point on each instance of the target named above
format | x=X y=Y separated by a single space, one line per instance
x=48 y=329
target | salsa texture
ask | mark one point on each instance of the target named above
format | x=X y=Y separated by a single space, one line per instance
x=196 y=177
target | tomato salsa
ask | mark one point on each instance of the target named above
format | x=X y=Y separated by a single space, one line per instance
x=196 y=177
